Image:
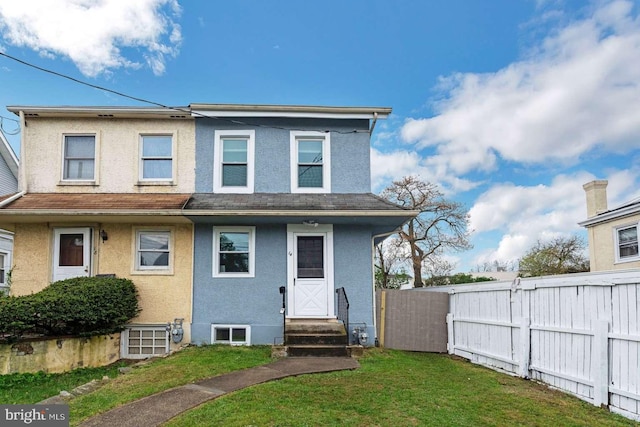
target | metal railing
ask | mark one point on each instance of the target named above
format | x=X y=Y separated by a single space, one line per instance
x=283 y=311
x=343 y=309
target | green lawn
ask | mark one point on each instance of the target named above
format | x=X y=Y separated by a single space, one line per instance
x=392 y=388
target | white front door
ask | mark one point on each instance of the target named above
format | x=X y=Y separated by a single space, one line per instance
x=71 y=253
x=310 y=290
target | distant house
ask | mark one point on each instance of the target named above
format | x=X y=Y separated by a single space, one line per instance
x=8 y=186
x=613 y=233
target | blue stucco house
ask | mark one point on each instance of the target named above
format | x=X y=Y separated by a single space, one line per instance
x=283 y=199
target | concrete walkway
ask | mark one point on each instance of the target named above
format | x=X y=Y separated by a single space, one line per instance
x=159 y=408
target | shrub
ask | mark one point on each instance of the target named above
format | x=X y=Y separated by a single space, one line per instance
x=80 y=306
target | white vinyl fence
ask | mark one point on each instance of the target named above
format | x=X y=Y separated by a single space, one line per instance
x=579 y=333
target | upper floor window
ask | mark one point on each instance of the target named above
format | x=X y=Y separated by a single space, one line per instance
x=234 y=165
x=153 y=250
x=627 y=243
x=79 y=157
x=156 y=158
x=310 y=162
x=234 y=251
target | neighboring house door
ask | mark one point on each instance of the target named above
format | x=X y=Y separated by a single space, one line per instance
x=310 y=272
x=71 y=253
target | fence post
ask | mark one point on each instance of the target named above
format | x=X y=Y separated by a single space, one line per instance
x=383 y=315
x=525 y=346
x=600 y=363
x=450 y=334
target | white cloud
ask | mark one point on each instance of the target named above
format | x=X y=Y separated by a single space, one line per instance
x=526 y=214
x=577 y=91
x=92 y=32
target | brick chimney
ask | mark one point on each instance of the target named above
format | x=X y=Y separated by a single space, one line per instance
x=596 y=192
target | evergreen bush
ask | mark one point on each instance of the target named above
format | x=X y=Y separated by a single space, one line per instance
x=81 y=306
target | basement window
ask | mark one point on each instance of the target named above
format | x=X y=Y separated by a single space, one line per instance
x=141 y=342
x=231 y=334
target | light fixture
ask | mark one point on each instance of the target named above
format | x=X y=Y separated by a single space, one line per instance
x=310 y=222
x=104 y=236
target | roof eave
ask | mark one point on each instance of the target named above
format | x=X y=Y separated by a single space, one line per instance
x=302 y=111
x=611 y=215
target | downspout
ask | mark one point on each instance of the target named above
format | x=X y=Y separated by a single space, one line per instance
x=11 y=199
x=22 y=170
x=373 y=124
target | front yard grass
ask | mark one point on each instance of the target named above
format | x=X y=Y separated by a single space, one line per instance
x=392 y=388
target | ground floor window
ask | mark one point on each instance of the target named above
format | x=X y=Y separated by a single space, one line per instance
x=139 y=342
x=231 y=334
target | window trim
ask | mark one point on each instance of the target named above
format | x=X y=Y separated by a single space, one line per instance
x=326 y=161
x=161 y=181
x=73 y=181
x=216 y=251
x=219 y=135
x=124 y=345
x=215 y=326
x=152 y=270
x=618 y=258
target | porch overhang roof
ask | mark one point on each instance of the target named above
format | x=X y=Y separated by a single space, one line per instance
x=121 y=207
x=333 y=208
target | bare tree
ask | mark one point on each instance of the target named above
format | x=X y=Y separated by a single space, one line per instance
x=389 y=259
x=440 y=226
x=561 y=255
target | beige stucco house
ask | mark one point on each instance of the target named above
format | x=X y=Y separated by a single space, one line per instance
x=101 y=191
x=613 y=233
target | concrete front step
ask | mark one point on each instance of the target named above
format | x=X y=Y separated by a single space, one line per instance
x=317 y=351
x=317 y=339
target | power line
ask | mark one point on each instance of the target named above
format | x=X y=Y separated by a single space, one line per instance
x=157 y=104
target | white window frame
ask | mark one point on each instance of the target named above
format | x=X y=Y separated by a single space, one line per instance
x=150 y=269
x=63 y=169
x=617 y=243
x=124 y=346
x=247 y=329
x=216 y=251
x=326 y=161
x=141 y=159
x=219 y=136
x=6 y=268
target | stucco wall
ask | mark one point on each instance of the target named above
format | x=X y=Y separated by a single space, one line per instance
x=117 y=157
x=602 y=246
x=59 y=354
x=256 y=301
x=350 y=164
x=163 y=297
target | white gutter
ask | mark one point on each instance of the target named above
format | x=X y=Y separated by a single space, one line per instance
x=607 y=216
x=77 y=212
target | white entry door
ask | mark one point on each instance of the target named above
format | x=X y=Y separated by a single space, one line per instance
x=71 y=253
x=310 y=272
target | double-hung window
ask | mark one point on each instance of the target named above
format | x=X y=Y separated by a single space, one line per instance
x=627 y=243
x=79 y=158
x=234 y=164
x=156 y=158
x=310 y=162
x=153 y=250
x=234 y=252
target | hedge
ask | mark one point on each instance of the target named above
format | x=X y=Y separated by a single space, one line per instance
x=81 y=306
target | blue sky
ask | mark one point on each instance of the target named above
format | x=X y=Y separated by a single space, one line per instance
x=510 y=106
